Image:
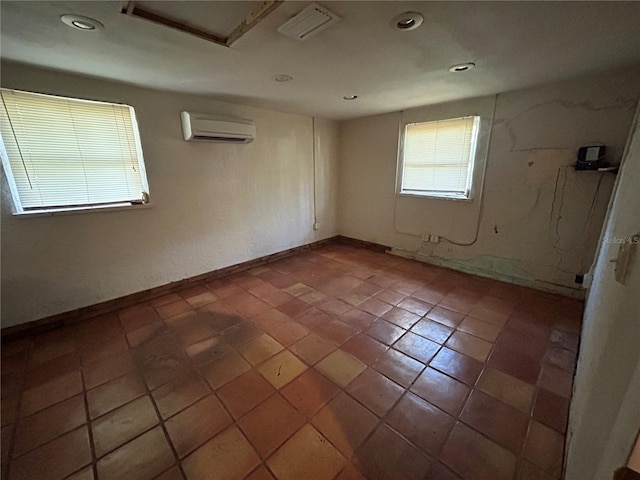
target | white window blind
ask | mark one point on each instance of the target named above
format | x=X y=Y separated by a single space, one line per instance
x=438 y=157
x=63 y=153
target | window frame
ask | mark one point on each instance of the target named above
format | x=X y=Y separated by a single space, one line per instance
x=472 y=164
x=20 y=211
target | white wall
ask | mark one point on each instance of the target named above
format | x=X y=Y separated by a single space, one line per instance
x=605 y=415
x=538 y=225
x=214 y=205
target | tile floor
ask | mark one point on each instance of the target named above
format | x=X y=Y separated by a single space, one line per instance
x=336 y=363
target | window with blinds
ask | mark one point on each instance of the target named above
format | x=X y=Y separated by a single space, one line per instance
x=438 y=156
x=67 y=154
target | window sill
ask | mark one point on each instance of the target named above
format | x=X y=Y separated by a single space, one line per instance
x=81 y=210
x=436 y=197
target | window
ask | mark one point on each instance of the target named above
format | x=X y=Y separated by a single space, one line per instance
x=437 y=157
x=69 y=154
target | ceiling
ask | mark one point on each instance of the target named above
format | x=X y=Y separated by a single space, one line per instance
x=514 y=45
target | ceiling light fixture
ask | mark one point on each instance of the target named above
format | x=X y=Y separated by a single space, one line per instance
x=406 y=21
x=81 y=23
x=461 y=67
x=350 y=97
x=283 y=78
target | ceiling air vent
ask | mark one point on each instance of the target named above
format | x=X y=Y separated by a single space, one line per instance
x=308 y=22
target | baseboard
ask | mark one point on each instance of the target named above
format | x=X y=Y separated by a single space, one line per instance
x=362 y=243
x=109 y=306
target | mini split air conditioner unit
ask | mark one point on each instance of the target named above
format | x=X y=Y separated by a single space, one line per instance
x=213 y=128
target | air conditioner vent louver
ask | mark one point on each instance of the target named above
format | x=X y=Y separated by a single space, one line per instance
x=215 y=128
x=308 y=22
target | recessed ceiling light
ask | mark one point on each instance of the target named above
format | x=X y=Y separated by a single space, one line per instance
x=407 y=21
x=81 y=23
x=462 y=67
x=283 y=78
x=350 y=97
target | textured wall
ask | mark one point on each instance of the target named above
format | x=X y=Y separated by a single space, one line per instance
x=213 y=205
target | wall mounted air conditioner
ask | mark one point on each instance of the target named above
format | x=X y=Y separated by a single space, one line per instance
x=214 y=128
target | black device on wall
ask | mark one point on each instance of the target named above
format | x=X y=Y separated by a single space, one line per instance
x=591 y=157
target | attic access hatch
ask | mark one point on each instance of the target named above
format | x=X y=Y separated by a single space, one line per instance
x=220 y=22
x=309 y=22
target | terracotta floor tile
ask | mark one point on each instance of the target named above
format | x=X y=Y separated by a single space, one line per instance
x=391 y=297
x=458 y=366
x=561 y=358
x=375 y=391
x=282 y=368
x=422 y=423
x=201 y=299
x=201 y=421
x=440 y=472
x=195 y=332
x=500 y=422
x=442 y=391
x=241 y=333
x=309 y=392
x=294 y=307
x=334 y=306
x=312 y=348
x=298 y=289
x=458 y=302
x=246 y=304
x=212 y=459
x=143 y=458
x=244 y=393
x=220 y=316
x=385 y=332
x=350 y=473
x=398 y=367
x=416 y=306
x=556 y=380
x=552 y=410
x=432 y=330
x=401 y=318
x=511 y=361
x=405 y=287
x=507 y=389
x=224 y=369
x=544 y=448
x=145 y=334
x=270 y=424
x=314 y=297
x=12 y=384
x=113 y=394
x=566 y=340
x=306 y=455
x=387 y=455
x=260 y=349
x=173 y=308
x=345 y=423
x=289 y=333
x=48 y=424
x=340 y=367
x=429 y=294
x=99 y=373
x=495 y=317
x=50 y=350
x=118 y=427
x=417 y=347
x=314 y=318
x=54 y=460
x=528 y=471
x=160 y=369
x=474 y=457
x=336 y=331
x=469 y=345
x=165 y=299
x=172 y=474
x=480 y=329
x=85 y=474
x=50 y=393
x=179 y=393
x=364 y=348
x=208 y=350
x=353 y=298
x=357 y=319
x=374 y=307
x=445 y=317
x=46 y=371
x=9 y=413
x=156 y=348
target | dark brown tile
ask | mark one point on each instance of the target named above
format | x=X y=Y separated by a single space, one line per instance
x=141 y=459
x=192 y=427
x=50 y=393
x=101 y=372
x=364 y=348
x=118 y=427
x=54 y=460
x=475 y=457
x=270 y=424
x=552 y=410
x=544 y=448
x=244 y=393
x=458 y=366
x=386 y=455
x=309 y=392
x=48 y=424
x=511 y=361
x=442 y=391
x=113 y=394
x=417 y=347
x=556 y=380
x=345 y=423
x=211 y=460
x=46 y=371
x=422 y=423
x=399 y=367
x=179 y=393
x=501 y=423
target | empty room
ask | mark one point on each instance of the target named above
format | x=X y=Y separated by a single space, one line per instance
x=295 y=240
